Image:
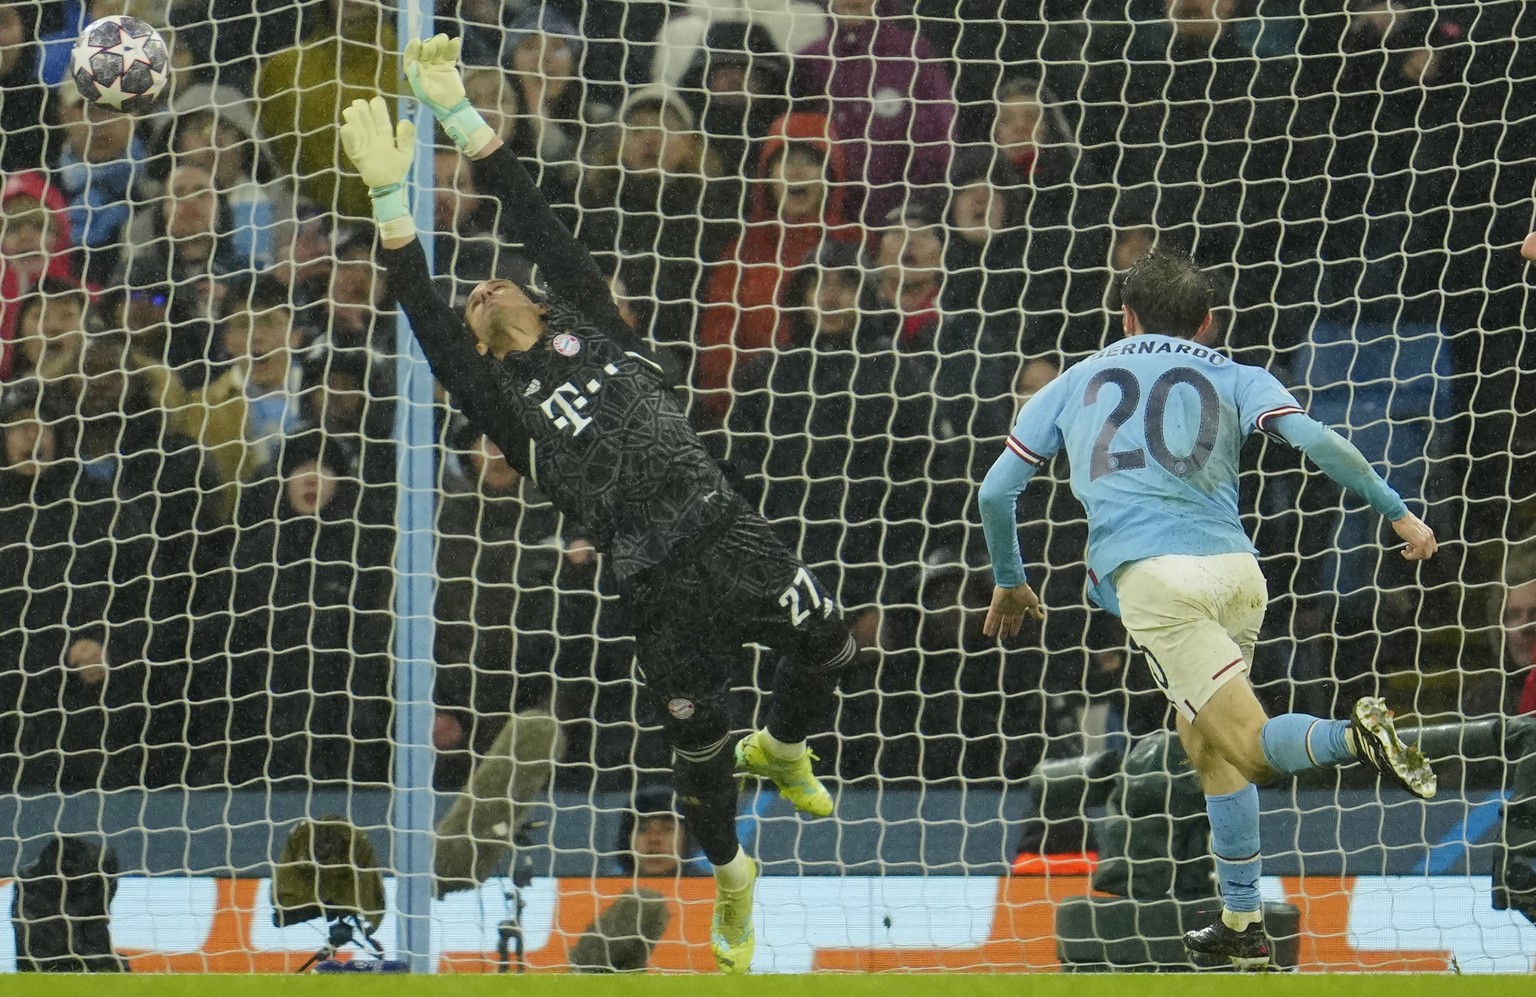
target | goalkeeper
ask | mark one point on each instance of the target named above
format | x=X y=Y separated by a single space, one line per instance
x=1152 y=426
x=576 y=402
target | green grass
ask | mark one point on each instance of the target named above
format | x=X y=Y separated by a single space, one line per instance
x=1042 y=985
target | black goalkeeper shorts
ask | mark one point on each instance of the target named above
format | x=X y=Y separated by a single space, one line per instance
x=692 y=613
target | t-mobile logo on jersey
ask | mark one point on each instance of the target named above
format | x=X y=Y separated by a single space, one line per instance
x=571 y=398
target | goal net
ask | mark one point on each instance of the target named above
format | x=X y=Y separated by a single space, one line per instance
x=291 y=640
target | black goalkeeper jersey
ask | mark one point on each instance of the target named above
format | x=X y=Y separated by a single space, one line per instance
x=587 y=413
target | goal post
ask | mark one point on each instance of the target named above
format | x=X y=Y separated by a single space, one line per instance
x=414 y=813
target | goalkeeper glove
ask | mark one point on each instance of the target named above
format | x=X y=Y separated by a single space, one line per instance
x=383 y=158
x=431 y=66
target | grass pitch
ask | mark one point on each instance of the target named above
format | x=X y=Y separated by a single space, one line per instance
x=826 y=985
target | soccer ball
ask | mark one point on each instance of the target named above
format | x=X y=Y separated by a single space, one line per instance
x=120 y=62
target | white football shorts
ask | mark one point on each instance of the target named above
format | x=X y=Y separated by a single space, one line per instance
x=1196 y=617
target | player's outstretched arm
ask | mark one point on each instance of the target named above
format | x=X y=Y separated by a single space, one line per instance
x=431 y=66
x=1034 y=441
x=1340 y=460
x=382 y=154
x=1012 y=599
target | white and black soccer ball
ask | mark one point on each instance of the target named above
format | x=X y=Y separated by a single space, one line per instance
x=121 y=63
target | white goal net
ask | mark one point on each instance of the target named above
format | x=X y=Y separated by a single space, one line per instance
x=293 y=642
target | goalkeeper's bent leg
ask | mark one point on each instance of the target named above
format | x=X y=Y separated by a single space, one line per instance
x=805 y=682
x=685 y=677
x=804 y=698
x=703 y=768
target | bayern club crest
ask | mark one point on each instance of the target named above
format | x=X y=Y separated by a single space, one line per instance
x=566 y=344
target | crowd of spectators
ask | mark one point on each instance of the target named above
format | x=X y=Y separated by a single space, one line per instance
x=861 y=232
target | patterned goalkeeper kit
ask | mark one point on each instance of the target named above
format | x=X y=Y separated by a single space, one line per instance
x=590 y=417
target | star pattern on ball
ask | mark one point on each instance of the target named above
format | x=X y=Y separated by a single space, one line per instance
x=81 y=54
x=112 y=94
x=132 y=49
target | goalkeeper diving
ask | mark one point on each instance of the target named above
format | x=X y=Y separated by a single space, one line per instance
x=1153 y=425
x=575 y=400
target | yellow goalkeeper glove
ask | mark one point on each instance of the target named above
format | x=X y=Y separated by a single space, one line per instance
x=432 y=67
x=382 y=156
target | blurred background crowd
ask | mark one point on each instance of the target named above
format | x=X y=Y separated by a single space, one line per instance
x=863 y=233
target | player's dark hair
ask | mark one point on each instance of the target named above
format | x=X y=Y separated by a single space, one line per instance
x=1170 y=295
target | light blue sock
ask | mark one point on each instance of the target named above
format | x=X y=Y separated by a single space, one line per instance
x=1296 y=742
x=1235 y=842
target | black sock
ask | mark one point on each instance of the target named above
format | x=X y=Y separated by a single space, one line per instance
x=802 y=704
x=706 y=793
x=805 y=698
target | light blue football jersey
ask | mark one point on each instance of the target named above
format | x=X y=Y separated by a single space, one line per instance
x=1153 y=427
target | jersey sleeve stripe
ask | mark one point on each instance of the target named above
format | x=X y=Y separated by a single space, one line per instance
x=1024 y=453
x=645 y=360
x=1272 y=413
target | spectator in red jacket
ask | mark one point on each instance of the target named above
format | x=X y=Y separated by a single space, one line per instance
x=34 y=243
x=796 y=204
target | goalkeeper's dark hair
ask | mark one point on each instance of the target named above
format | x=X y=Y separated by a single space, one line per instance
x=1170 y=295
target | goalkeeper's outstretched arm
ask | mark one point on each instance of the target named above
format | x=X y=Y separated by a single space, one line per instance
x=1340 y=460
x=383 y=155
x=432 y=68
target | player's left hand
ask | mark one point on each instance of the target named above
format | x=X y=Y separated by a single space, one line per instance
x=1528 y=247
x=1009 y=608
x=382 y=155
x=1418 y=536
x=432 y=67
